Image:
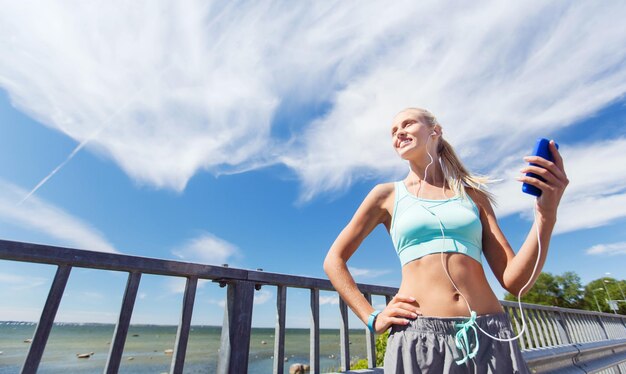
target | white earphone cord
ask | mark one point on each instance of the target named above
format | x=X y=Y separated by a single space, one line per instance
x=448 y=274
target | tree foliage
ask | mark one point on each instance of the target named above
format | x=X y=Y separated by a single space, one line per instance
x=566 y=291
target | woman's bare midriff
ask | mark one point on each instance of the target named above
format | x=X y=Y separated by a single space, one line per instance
x=426 y=280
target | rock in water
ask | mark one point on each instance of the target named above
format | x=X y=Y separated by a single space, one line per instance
x=296 y=369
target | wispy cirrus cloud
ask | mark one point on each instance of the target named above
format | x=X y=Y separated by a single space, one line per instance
x=20 y=282
x=41 y=216
x=171 y=89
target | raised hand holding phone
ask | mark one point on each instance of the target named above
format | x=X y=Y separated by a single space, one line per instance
x=545 y=176
x=542 y=150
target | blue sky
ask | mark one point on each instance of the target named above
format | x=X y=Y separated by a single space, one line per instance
x=249 y=133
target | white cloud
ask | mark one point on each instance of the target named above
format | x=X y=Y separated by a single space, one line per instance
x=366 y=273
x=331 y=300
x=608 y=249
x=207 y=249
x=168 y=89
x=40 y=216
x=178 y=284
x=497 y=77
x=262 y=296
x=594 y=197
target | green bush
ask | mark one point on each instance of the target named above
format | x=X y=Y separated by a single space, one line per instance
x=381 y=346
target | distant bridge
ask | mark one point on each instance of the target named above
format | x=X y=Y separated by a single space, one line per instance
x=557 y=340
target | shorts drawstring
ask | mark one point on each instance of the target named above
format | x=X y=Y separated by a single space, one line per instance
x=462 y=340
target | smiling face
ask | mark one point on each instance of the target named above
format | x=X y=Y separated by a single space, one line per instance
x=410 y=134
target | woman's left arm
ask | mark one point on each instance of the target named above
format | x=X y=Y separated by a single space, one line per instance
x=514 y=270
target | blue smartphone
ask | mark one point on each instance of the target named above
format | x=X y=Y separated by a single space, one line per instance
x=542 y=149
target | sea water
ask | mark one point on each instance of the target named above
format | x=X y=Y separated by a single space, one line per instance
x=145 y=350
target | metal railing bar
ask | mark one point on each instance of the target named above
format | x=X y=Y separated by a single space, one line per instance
x=601 y=332
x=572 y=318
x=540 y=327
x=182 y=335
x=556 y=325
x=573 y=338
x=559 y=309
x=314 y=349
x=519 y=324
x=123 y=321
x=40 y=338
x=591 y=328
x=583 y=329
x=279 y=330
x=527 y=333
x=370 y=340
x=549 y=331
x=531 y=323
x=344 y=336
x=564 y=334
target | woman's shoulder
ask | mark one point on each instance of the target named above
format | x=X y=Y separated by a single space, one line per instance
x=380 y=195
x=383 y=190
x=479 y=197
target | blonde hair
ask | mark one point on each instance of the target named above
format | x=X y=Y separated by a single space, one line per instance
x=456 y=175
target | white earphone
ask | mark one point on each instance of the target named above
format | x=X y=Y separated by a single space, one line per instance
x=446 y=271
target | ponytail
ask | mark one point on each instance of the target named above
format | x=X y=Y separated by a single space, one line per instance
x=456 y=175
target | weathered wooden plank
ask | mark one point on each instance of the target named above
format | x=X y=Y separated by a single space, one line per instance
x=314 y=355
x=344 y=336
x=235 y=341
x=121 y=328
x=38 y=345
x=182 y=335
x=110 y=261
x=297 y=281
x=279 y=331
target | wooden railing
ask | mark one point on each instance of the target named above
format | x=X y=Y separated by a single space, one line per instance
x=553 y=335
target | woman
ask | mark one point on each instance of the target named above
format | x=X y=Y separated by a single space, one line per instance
x=440 y=221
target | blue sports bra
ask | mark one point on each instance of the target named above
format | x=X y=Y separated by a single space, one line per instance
x=416 y=233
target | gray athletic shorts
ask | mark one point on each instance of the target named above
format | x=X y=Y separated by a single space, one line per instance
x=427 y=345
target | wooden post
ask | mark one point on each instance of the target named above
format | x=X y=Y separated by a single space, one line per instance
x=182 y=335
x=370 y=340
x=121 y=328
x=344 y=336
x=279 y=331
x=235 y=341
x=46 y=320
x=314 y=358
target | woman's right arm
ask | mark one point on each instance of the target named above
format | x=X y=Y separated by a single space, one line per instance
x=371 y=212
